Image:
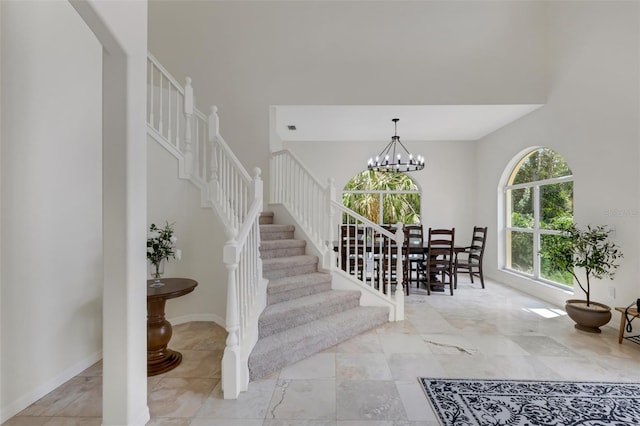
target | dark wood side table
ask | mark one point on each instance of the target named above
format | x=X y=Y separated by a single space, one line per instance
x=161 y=359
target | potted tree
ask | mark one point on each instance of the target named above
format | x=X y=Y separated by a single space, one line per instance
x=588 y=249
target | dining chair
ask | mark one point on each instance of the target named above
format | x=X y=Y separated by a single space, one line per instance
x=440 y=258
x=472 y=255
x=388 y=264
x=352 y=250
x=413 y=253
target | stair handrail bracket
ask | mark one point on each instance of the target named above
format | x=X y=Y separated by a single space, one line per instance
x=314 y=207
x=236 y=198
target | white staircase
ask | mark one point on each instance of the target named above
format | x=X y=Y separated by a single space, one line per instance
x=310 y=303
x=304 y=314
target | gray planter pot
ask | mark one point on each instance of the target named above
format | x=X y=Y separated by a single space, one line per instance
x=588 y=319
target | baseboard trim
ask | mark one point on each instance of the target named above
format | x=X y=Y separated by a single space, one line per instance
x=198 y=317
x=29 y=398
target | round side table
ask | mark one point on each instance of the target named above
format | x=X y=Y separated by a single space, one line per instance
x=161 y=359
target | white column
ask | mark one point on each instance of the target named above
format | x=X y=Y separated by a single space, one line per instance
x=124 y=389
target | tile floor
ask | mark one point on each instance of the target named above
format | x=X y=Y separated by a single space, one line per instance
x=369 y=380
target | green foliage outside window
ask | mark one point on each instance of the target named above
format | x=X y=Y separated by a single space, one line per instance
x=555 y=210
x=402 y=207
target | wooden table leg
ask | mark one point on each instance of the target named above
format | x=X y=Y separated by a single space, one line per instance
x=621 y=332
x=160 y=359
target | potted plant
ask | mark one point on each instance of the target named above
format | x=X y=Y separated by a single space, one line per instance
x=588 y=249
x=160 y=247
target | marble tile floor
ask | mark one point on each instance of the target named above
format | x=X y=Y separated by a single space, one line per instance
x=370 y=380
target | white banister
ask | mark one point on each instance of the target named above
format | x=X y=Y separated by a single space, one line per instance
x=206 y=160
x=314 y=208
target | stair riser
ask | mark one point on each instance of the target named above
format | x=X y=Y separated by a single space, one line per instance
x=282 y=252
x=265 y=219
x=278 y=358
x=277 y=235
x=298 y=317
x=298 y=292
x=290 y=271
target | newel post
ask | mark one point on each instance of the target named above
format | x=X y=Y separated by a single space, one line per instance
x=258 y=186
x=399 y=295
x=231 y=359
x=188 y=137
x=330 y=212
x=213 y=124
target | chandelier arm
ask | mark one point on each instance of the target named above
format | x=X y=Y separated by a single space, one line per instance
x=404 y=147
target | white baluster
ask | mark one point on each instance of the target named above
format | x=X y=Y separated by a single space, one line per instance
x=197 y=154
x=188 y=115
x=160 y=117
x=213 y=161
x=177 y=133
x=170 y=91
x=151 y=105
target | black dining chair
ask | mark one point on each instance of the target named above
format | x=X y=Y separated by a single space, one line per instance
x=413 y=253
x=352 y=249
x=470 y=259
x=440 y=258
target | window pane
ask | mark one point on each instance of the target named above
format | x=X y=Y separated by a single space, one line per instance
x=541 y=164
x=403 y=208
x=363 y=204
x=556 y=205
x=521 y=251
x=549 y=273
x=521 y=207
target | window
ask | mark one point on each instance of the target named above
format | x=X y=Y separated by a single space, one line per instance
x=383 y=197
x=539 y=205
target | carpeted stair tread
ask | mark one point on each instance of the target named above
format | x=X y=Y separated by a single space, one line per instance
x=281 y=267
x=293 y=313
x=274 y=352
x=290 y=283
x=270 y=249
x=276 y=232
x=276 y=244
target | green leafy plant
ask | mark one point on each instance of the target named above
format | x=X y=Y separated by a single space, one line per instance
x=396 y=206
x=586 y=248
x=161 y=244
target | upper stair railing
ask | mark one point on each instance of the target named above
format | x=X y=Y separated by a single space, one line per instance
x=351 y=244
x=236 y=198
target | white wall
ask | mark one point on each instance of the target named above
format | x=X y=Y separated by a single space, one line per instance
x=51 y=199
x=200 y=237
x=580 y=58
x=245 y=56
x=591 y=118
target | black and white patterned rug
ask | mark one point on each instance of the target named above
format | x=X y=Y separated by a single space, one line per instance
x=470 y=402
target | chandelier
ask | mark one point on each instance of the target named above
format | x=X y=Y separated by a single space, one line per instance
x=392 y=158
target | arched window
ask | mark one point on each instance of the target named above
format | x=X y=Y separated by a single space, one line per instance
x=539 y=205
x=383 y=197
